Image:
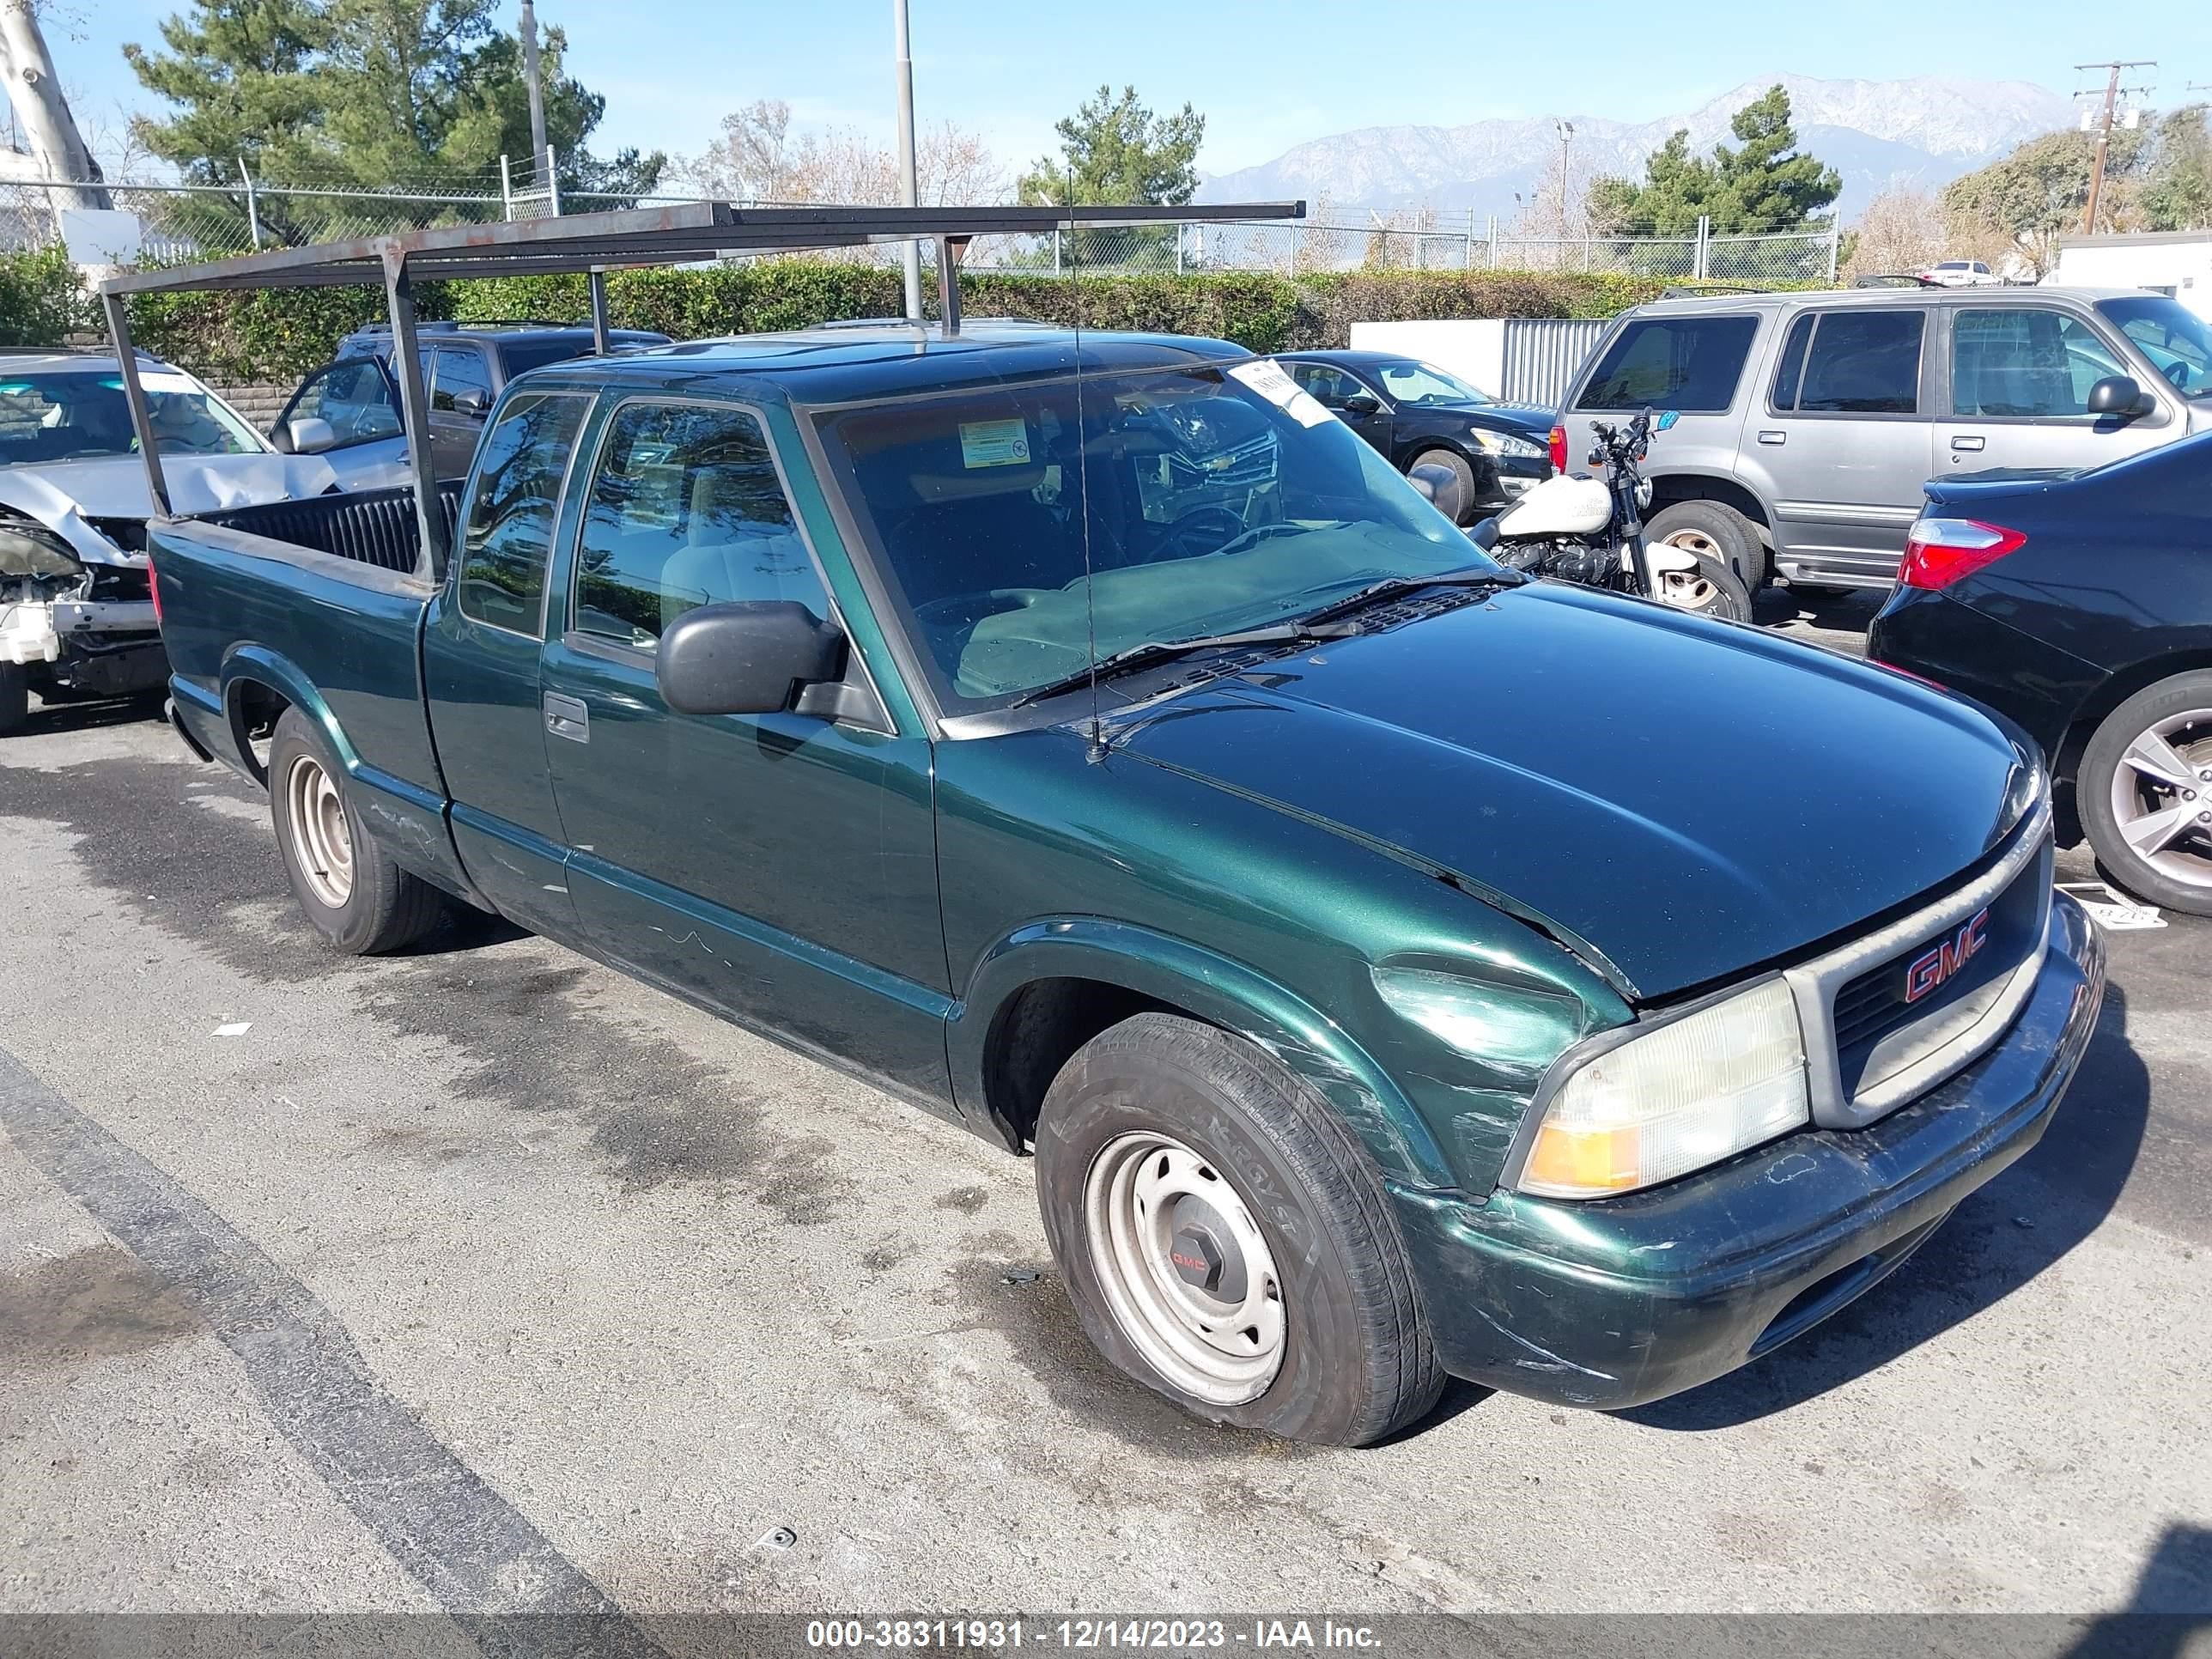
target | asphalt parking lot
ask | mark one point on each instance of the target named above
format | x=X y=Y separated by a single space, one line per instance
x=485 y=1279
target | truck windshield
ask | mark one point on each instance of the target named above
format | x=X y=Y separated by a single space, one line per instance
x=2178 y=342
x=81 y=415
x=1019 y=522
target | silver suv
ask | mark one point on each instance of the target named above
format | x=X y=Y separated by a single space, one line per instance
x=1809 y=422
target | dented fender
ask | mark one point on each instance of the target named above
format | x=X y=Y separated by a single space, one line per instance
x=1214 y=987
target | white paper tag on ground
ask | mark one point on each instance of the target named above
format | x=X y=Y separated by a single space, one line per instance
x=1279 y=389
x=237 y=1029
x=2111 y=909
x=993 y=443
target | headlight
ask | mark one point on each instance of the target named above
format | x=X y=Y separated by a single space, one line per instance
x=29 y=548
x=1683 y=1095
x=1506 y=448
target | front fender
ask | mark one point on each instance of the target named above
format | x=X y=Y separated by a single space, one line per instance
x=1213 y=987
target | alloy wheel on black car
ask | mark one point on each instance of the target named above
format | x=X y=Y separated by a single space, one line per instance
x=2145 y=793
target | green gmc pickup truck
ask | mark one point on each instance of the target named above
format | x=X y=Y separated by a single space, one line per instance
x=1398 y=968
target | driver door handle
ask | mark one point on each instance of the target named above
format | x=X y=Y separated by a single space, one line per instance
x=565 y=717
x=1968 y=440
x=1774 y=437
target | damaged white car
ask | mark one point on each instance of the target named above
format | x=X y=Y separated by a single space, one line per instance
x=76 y=617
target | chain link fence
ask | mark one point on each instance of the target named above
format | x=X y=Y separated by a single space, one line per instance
x=179 y=223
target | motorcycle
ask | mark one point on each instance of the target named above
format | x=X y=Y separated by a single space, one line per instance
x=1591 y=530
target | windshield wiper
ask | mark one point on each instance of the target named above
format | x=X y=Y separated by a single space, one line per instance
x=1152 y=651
x=1391 y=587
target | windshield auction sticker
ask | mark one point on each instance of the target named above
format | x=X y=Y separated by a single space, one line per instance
x=993 y=443
x=1279 y=389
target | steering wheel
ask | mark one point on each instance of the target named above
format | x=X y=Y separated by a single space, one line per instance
x=1200 y=531
x=2177 y=372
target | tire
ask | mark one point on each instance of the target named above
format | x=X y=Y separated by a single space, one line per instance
x=15 y=697
x=2125 y=804
x=355 y=897
x=1160 y=1105
x=1715 y=530
x=1461 y=469
x=1712 y=590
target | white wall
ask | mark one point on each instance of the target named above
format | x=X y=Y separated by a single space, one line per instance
x=2184 y=267
x=1474 y=351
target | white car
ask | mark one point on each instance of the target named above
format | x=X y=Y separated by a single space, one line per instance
x=76 y=614
x=1960 y=273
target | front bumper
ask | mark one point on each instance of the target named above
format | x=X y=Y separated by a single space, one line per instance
x=1617 y=1302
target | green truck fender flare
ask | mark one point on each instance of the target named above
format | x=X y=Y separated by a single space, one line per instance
x=1211 y=987
x=257 y=665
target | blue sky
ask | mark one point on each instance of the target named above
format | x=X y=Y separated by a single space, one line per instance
x=1265 y=75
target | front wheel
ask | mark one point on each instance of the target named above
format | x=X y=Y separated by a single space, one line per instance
x=1709 y=588
x=355 y=895
x=2144 y=793
x=1226 y=1240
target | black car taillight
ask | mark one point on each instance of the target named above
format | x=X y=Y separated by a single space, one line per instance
x=1939 y=551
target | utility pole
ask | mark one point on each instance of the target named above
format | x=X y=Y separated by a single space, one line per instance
x=1566 y=130
x=2105 y=130
x=910 y=188
x=540 y=159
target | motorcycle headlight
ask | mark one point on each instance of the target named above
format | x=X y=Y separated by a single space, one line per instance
x=1632 y=1111
x=1506 y=447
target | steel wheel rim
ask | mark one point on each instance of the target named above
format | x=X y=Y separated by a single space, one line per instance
x=1689 y=590
x=322 y=840
x=1695 y=541
x=2162 y=797
x=1219 y=1339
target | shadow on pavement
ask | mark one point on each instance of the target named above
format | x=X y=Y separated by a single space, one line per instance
x=1995 y=1241
x=2171 y=1603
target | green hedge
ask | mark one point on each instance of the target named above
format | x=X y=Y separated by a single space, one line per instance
x=41 y=302
x=280 y=336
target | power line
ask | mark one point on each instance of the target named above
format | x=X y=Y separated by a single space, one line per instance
x=2105 y=128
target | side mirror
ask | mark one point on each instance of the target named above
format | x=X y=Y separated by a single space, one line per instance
x=1439 y=486
x=309 y=435
x=745 y=657
x=2118 y=394
x=1361 y=403
x=472 y=401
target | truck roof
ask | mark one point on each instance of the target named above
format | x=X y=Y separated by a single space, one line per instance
x=854 y=362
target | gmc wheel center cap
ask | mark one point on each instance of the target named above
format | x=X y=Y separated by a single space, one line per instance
x=1202 y=1252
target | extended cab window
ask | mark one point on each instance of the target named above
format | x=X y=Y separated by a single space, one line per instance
x=517 y=490
x=1687 y=363
x=2025 y=361
x=1862 y=362
x=686 y=509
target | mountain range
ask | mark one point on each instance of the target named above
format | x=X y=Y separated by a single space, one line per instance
x=1924 y=132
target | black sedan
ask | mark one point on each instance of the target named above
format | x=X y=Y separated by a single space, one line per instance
x=2081 y=605
x=1414 y=413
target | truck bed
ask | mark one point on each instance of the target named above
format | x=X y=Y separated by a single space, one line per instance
x=315 y=603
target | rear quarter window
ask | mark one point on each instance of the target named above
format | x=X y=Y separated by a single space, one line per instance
x=1686 y=363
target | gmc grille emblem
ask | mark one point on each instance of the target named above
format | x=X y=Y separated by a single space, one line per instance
x=1933 y=967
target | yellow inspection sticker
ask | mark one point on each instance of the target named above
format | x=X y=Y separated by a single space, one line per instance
x=993 y=443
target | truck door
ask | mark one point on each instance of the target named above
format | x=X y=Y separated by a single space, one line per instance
x=2020 y=380
x=778 y=867
x=1844 y=438
x=482 y=643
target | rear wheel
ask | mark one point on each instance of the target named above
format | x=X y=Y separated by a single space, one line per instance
x=1226 y=1240
x=15 y=697
x=2145 y=793
x=357 y=898
x=1710 y=589
x=1712 y=529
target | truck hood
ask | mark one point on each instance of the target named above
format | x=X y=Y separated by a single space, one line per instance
x=63 y=495
x=1678 y=800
